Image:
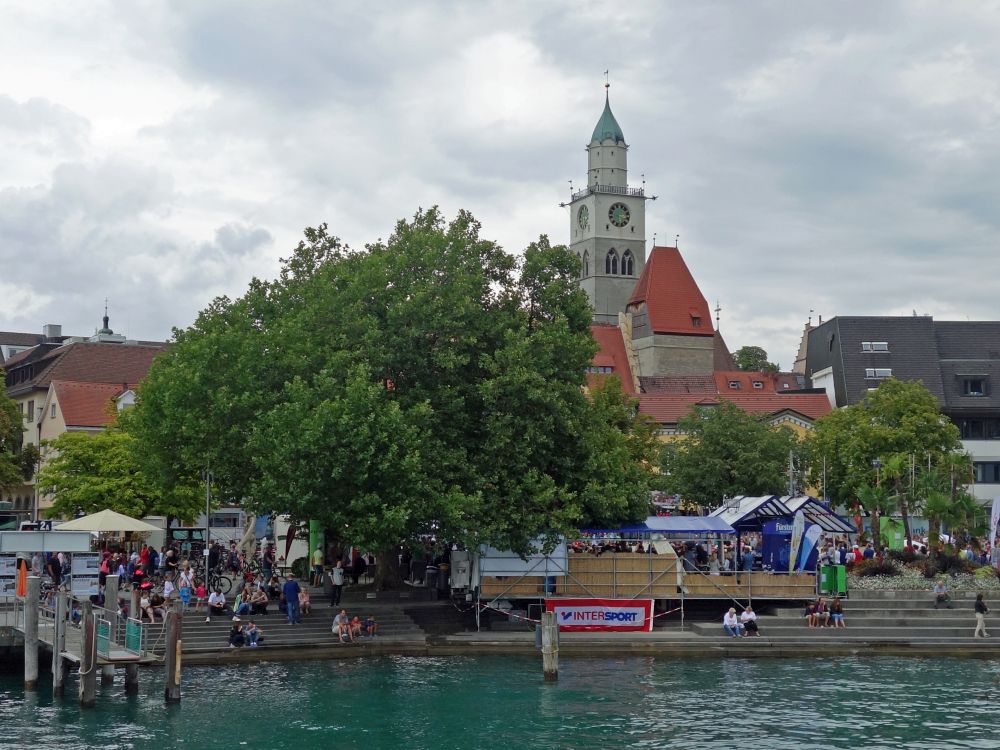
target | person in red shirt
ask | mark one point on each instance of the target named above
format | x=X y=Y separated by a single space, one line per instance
x=144 y=555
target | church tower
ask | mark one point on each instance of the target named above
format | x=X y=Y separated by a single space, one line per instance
x=608 y=222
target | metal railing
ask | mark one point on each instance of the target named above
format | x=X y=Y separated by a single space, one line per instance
x=610 y=190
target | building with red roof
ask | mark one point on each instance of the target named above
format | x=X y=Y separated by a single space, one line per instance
x=652 y=322
x=71 y=384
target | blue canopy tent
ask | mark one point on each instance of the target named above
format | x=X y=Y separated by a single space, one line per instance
x=819 y=513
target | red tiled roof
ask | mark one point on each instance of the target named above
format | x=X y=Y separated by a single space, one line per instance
x=672 y=298
x=669 y=408
x=88 y=404
x=678 y=384
x=746 y=381
x=611 y=354
x=91 y=362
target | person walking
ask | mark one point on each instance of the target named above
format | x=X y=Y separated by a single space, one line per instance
x=337 y=575
x=291 y=591
x=981 y=611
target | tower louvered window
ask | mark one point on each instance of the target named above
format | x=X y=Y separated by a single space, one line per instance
x=627 y=263
x=586 y=264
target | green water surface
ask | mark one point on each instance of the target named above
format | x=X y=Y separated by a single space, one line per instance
x=502 y=702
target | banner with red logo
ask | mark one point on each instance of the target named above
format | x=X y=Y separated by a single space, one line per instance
x=602 y=614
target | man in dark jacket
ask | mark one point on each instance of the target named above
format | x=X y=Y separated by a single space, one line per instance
x=291 y=592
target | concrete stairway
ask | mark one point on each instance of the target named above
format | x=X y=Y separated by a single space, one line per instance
x=314 y=630
x=880 y=616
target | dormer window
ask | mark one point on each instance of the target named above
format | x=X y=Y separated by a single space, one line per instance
x=758 y=385
x=734 y=385
x=695 y=321
x=974 y=385
x=878 y=373
x=875 y=346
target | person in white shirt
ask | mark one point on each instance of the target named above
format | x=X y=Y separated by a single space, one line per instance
x=749 y=621
x=217 y=605
x=731 y=623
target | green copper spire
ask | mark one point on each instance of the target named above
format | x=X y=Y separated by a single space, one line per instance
x=607 y=127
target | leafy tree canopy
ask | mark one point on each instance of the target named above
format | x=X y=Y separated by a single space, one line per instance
x=724 y=452
x=429 y=382
x=12 y=461
x=900 y=418
x=753 y=359
x=88 y=473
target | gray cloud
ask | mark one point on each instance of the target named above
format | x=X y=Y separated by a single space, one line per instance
x=836 y=157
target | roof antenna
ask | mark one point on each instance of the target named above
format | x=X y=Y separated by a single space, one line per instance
x=811 y=311
x=677 y=242
x=105 y=312
x=654 y=239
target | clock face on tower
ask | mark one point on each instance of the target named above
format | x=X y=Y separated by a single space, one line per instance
x=619 y=214
x=583 y=217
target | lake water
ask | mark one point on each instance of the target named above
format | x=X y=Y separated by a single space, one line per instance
x=502 y=702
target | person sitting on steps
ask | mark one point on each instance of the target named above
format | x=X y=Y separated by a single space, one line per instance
x=236 y=637
x=254 y=635
x=837 y=613
x=217 y=605
x=941 y=595
x=258 y=602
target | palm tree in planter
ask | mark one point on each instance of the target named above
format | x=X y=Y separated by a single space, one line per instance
x=877 y=501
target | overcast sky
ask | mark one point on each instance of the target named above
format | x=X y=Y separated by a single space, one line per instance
x=842 y=157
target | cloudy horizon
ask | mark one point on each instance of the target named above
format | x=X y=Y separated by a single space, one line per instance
x=832 y=159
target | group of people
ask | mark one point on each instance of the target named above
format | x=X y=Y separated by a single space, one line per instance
x=741 y=626
x=819 y=614
x=349 y=629
x=291 y=599
x=244 y=635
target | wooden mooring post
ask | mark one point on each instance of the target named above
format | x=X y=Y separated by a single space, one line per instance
x=550 y=646
x=59 y=646
x=88 y=657
x=172 y=656
x=111 y=607
x=31 y=602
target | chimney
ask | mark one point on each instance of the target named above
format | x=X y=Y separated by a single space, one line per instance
x=51 y=331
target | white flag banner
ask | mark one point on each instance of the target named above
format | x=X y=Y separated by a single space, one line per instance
x=809 y=540
x=798 y=527
x=994 y=519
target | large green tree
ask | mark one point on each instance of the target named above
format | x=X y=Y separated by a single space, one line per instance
x=17 y=460
x=753 y=359
x=86 y=473
x=428 y=382
x=723 y=451
x=882 y=439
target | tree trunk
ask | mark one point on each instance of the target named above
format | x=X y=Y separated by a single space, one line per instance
x=904 y=511
x=387 y=570
x=876 y=532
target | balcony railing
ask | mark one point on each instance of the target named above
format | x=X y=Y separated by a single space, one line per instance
x=610 y=190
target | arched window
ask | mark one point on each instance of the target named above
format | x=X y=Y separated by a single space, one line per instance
x=611 y=263
x=628 y=264
x=586 y=264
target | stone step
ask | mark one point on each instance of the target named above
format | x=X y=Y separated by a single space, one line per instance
x=869 y=632
x=864 y=594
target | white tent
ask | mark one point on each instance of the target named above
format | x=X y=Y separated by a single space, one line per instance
x=107 y=521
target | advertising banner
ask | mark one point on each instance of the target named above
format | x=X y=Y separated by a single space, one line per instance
x=809 y=540
x=85 y=586
x=8 y=565
x=994 y=520
x=602 y=614
x=798 y=528
x=86 y=564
